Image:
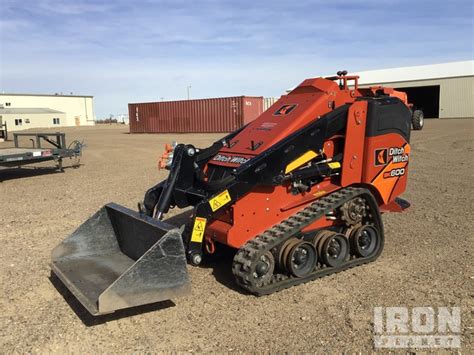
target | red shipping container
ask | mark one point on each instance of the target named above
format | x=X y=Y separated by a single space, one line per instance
x=194 y=116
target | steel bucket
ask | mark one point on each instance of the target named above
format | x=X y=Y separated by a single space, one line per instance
x=119 y=259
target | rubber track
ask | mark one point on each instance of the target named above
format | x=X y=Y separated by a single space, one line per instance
x=250 y=252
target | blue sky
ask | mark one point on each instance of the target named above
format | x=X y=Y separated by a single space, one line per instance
x=130 y=51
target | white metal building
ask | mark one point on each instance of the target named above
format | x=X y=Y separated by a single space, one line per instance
x=441 y=90
x=23 y=111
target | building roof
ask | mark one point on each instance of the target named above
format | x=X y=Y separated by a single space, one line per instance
x=29 y=111
x=415 y=73
x=51 y=95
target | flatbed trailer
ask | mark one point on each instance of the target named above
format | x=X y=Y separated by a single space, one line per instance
x=19 y=156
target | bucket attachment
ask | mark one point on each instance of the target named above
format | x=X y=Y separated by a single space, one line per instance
x=119 y=259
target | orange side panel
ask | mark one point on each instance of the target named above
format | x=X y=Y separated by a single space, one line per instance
x=386 y=181
x=386 y=168
x=354 y=145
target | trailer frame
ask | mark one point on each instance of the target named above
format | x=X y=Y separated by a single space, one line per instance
x=19 y=156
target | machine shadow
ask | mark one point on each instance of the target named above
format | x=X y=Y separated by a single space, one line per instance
x=21 y=173
x=89 y=320
x=221 y=265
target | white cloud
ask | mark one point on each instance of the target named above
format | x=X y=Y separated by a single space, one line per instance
x=74 y=7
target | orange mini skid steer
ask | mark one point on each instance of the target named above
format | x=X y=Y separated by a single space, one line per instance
x=298 y=193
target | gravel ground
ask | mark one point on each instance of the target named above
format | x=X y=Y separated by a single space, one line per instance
x=427 y=259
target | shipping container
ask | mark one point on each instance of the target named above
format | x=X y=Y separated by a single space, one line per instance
x=268 y=102
x=194 y=116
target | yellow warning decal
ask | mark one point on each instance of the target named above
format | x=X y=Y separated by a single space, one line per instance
x=220 y=200
x=306 y=157
x=198 y=229
x=334 y=165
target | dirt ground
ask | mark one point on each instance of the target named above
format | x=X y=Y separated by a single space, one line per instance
x=427 y=259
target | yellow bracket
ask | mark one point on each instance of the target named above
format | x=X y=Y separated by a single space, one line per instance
x=306 y=157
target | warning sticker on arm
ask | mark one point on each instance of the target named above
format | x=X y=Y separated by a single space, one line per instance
x=220 y=200
x=198 y=229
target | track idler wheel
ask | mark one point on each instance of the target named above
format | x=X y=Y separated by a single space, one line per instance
x=264 y=267
x=365 y=241
x=334 y=249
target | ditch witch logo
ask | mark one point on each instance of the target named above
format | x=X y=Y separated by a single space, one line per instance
x=230 y=159
x=397 y=154
x=285 y=110
x=381 y=157
x=419 y=327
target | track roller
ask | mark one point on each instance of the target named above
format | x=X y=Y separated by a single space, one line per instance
x=365 y=240
x=301 y=259
x=334 y=249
